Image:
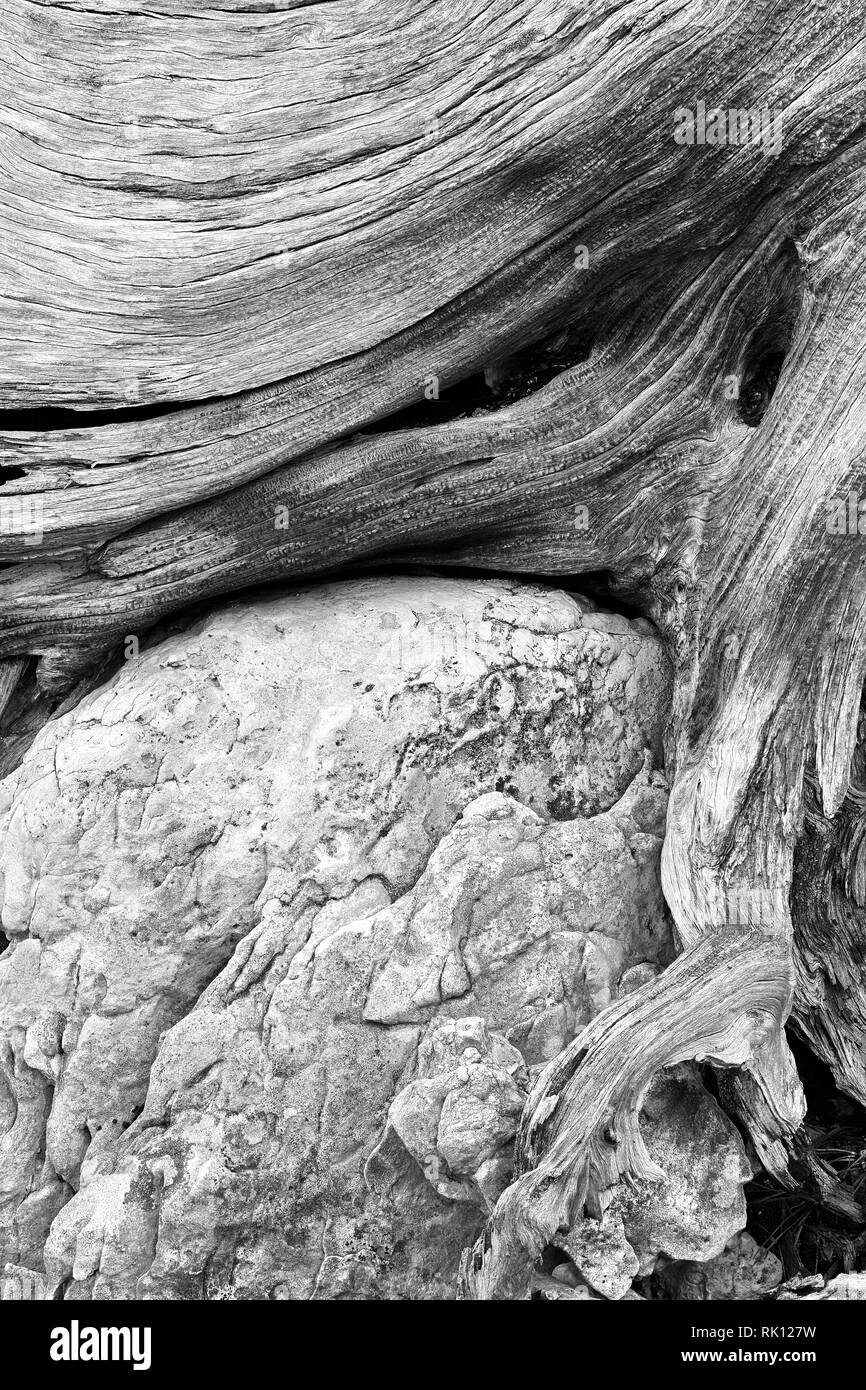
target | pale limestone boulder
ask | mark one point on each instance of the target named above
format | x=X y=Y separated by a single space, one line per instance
x=230 y=801
x=535 y=921
x=699 y=1206
x=379 y=1144
x=296 y=1100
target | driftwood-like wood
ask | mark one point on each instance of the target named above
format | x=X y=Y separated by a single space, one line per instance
x=829 y=909
x=722 y=1001
x=255 y=232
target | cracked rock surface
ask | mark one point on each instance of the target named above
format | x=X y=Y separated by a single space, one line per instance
x=295 y=903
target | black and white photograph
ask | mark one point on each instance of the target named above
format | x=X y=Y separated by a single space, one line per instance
x=432 y=662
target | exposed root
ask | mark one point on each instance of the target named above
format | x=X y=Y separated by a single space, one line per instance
x=723 y=1001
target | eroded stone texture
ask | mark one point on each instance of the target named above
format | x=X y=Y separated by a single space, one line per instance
x=459 y=1116
x=690 y=1214
x=284 y=768
x=700 y=1204
x=320 y=877
x=266 y=1123
x=246 y=787
x=744 y=1271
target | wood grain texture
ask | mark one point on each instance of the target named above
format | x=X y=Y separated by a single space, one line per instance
x=230 y=198
x=254 y=232
x=251 y=214
x=723 y=1001
x=828 y=898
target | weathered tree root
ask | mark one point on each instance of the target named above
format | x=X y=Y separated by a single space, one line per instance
x=723 y=1001
x=695 y=456
x=828 y=900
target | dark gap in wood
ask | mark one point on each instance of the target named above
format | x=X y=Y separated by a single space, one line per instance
x=604 y=589
x=48 y=419
x=759 y=383
x=7 y=474
x=596 y=585
x=794 y=1223
x=709 y=1080
x=824 y=1099
x=769 y=343
x=550 y=1257
x=503 y=381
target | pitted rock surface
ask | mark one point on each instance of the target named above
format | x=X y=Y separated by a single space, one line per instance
x=253 y=879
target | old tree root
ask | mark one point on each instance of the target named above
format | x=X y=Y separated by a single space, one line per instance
x=744 y=735
x=465 y=192
x=722 y=1001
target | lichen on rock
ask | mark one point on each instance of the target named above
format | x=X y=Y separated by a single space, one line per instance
x=296 y=903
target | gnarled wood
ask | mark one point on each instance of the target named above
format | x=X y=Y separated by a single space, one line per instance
x=255 y=268
x=723 y=1001
x=829 y=912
